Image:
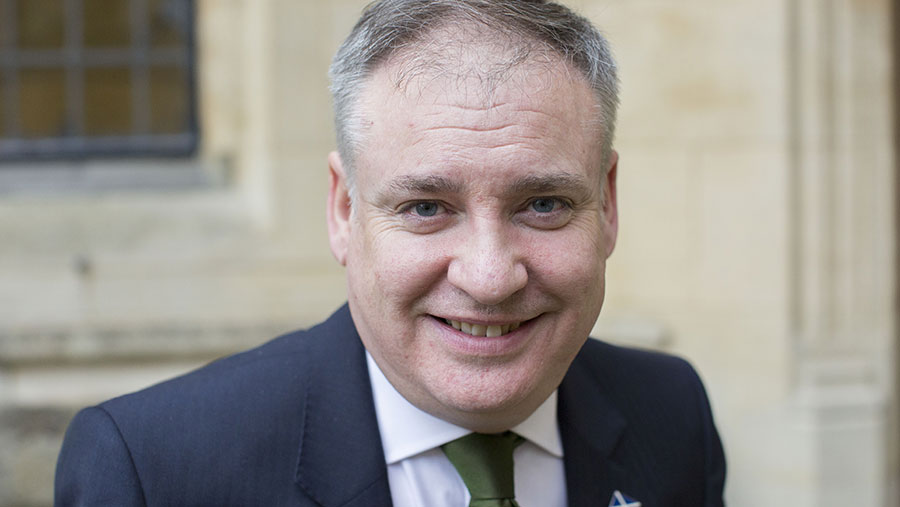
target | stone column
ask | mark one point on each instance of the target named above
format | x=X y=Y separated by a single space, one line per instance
x=843 y=232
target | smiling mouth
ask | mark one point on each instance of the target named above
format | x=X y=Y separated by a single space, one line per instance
x=481 y=329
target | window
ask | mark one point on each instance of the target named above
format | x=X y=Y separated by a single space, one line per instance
x=83 y=78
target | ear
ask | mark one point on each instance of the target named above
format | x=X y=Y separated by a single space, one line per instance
x=610 y=206
x=338 y=211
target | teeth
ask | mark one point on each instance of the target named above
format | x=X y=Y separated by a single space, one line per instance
x=481 y=330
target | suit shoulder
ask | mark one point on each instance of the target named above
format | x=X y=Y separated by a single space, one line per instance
x=93 y=449
x=264 y=378
x=637 y=363
x=260 y=364
x=284 y=361
x=247 y=410
x=633 y=377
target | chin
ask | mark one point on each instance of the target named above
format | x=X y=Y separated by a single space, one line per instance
x=487 y=393
x=486 y=414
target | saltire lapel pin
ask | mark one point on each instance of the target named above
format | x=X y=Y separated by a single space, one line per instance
x=621 y=500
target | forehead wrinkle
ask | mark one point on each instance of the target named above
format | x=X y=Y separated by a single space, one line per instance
x=481 y=116
x=473 y=128
x=523 y=120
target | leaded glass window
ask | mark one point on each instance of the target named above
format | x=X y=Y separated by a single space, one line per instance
x=82 y=78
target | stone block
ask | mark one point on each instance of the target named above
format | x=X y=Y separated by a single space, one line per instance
x=30 y=439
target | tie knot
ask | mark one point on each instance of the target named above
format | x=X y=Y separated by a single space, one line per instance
x=485 y=463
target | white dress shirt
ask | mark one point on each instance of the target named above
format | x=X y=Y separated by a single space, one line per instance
x=419 y=473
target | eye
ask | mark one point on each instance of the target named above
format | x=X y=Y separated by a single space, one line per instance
x=426 y=209
x=423 y=217
x=544 y=204
x=546 y=213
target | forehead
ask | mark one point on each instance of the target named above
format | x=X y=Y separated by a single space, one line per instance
x=480 y=66
x=480 y=110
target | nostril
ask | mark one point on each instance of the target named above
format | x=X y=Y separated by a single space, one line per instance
x=488 y=281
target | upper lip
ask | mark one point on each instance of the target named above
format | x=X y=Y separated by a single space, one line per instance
x=493 y=321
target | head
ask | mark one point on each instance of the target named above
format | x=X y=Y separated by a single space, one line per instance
x=472 y=199
x=388 y=27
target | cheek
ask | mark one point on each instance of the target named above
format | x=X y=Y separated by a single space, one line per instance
x=398 y=265
x=571 y=262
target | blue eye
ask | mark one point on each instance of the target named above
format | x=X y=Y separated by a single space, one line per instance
x=544 y=204
x=426 y=209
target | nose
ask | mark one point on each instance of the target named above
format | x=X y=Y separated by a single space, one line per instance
x=487 y=266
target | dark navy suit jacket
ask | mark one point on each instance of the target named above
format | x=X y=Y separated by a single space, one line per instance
x=292 y=423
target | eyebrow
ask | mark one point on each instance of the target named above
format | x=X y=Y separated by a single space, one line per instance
x=425 y=185
x=550 y=183
x=528 y=184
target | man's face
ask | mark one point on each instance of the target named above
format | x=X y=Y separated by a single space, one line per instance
x=483 y=210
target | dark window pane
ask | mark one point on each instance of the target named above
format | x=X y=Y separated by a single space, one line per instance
x=5 y=26
x=107 y=23
x=42 y=102
x=59 y=104
x=168 y=23
x=3 y=113
x=107 y=102
x=40 y=24
x=168 y=100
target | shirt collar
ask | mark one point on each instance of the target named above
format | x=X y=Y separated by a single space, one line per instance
x=407 y=431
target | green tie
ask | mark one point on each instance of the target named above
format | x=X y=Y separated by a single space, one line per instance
x=485 y=463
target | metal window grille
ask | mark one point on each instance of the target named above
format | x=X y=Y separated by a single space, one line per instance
x=97 y=78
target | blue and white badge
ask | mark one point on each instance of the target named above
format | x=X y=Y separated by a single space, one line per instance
x=621 y=500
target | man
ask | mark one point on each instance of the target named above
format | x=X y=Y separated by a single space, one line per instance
x=473 y=203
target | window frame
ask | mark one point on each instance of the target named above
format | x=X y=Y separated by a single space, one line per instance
x=74 y=59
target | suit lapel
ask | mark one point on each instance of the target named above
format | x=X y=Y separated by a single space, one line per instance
x=341 y=460
x=591 y=427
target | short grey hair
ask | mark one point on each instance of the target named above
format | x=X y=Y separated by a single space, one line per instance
x=386 y=26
